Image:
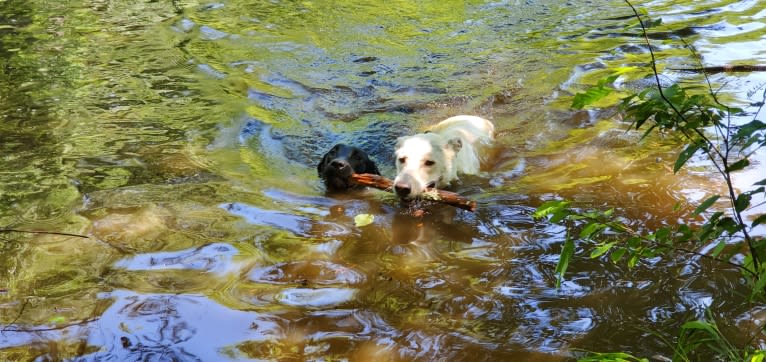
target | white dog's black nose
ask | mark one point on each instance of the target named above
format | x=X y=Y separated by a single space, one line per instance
x=402 y=189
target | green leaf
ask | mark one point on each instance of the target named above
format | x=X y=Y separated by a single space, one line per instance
x=758 y=356
x=700 y=325
x=612 y=357
x=662 y=234
x=595 y=93
x=363 y=220
x=757 y=290
x=617 y=254
x=759 y=220
x=591 y=229
x=685 y=155
x=705 y=205
x=549 y=207
x=736 y=166
x=559 y=215
x=590 y=96
x=566 y=254
x=742 y=202
x=718 y=249
x=748 y=129
x=674 y=93
x=653 y=23
x=601 y=250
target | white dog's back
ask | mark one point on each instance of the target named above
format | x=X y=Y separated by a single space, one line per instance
x=472 y=129
x=474 y=132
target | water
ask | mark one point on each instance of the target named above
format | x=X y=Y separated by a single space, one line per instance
x=182 y=138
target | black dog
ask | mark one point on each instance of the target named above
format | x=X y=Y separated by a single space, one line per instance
x=340 y=162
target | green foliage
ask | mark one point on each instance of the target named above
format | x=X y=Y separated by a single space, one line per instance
x=612 y=357
x=705 y=334
x=694 y=336
x=705 y=128
x=676 y=109
x=594 y=94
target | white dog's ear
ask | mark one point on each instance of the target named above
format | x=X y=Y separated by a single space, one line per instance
x=455 y=144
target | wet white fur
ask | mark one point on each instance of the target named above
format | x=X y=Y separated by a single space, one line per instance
x=453 y=145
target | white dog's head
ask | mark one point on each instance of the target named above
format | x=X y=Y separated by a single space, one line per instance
x=424 y=161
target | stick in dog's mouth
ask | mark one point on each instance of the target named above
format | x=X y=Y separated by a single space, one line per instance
x=432 y=194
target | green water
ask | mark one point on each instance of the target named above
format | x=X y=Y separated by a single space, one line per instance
x=182 y=139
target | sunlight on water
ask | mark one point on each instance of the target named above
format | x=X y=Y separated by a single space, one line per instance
x=182 y=139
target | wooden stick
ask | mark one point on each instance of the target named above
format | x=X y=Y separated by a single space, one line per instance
x=446 y=197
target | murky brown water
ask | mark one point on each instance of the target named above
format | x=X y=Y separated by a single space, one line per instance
x=182 y=139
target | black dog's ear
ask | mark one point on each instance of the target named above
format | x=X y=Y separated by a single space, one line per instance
x=322 y=164
x=371 y=167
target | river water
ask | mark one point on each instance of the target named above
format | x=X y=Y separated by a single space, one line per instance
x=182 y=138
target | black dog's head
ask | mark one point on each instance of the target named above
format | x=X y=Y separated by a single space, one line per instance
x=340 y=162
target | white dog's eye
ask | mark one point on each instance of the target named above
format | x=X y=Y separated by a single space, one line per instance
x=429 y=163
x=402 y=159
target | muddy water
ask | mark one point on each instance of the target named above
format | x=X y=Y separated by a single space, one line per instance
x=182 y=139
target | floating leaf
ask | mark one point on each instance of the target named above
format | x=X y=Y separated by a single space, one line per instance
x=363 y=219
x=57 y=319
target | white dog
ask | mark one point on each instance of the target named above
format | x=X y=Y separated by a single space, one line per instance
x=434 y=158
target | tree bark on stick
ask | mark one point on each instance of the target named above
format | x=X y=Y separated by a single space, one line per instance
x=446 y=197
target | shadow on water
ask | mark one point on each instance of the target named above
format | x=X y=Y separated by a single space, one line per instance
x=183 y=140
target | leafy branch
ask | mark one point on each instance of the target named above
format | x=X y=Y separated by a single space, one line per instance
x=674 y=109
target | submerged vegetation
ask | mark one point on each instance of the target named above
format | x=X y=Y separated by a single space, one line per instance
x=705 y=127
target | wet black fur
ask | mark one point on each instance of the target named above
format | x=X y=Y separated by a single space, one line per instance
x=340 y=162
